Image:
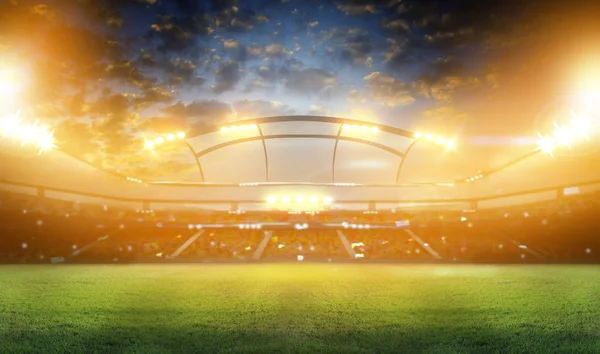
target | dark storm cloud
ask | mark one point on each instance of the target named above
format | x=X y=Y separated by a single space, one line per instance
x=127 y=71
x=195 y=114
x=153 y=95
x=227 y=76
x=298 y=78
x=181 y=33
x=181 y=71
x=357 y=8
x=350 y=45
x=235 y=50
x=310 y=81
x=385 y=90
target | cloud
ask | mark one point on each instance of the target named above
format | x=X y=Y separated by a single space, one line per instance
x=127 y=71
x=181 y=33
x=357 y=8
x=242 y=53
x=153 y=95
x=318 y=110
x=196 y=114
x=387 y=90
x=395 y=25
x=352 y=45
x=227 y=76
x=238 y=19
x=310 y=81
x=261 y=108
x=441 y=80
x=181 y=71
x=446 y=113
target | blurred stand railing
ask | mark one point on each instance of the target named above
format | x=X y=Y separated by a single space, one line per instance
x=487 y=202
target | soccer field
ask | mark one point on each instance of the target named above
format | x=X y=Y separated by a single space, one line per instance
x=300 y=308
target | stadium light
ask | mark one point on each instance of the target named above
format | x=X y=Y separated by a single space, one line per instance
x=9 y=83
x=131 y=179
x=12 y=127
x=475 y=178
x=159 y=140
x=565 y=135
x=439 y=140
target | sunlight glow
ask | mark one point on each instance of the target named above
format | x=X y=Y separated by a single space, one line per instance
x=12 y=127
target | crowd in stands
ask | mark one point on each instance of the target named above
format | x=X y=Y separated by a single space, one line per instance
x=43 y=230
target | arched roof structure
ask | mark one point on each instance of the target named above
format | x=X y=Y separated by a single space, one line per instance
x=339 y=122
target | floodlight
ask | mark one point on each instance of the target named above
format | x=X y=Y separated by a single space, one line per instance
x=418 y=135
x=253 y=126
x=10 y=124
x=159 y=140
x=271 y=199
x=9 y=82
x=355 y=127
x=223 y=129
x=244 y=127
x=375 y=129
x=364 y=127
x=327 y=200
x=439 y=140
x=546 y=145
x=562 y=136
x=149 y=144
x=234 y=128
x=300 y=199
x=46 y=142
x=285 y=199
x=580 y=126
x=171 y=137
x=28 y=133
x=428 y=137
x=449 y=144
x=180 y=135
x=313 y=199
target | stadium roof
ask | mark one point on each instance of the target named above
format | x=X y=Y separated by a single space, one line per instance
x=369 y=156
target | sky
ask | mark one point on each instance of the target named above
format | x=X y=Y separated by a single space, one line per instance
x=106 y=74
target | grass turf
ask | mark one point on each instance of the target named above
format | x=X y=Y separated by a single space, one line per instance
x=312 y=308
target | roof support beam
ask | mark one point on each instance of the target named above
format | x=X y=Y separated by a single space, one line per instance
x=339 y=133
x=404 y=158
x=197 y=158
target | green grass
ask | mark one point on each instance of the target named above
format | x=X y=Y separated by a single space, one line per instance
x=300 y=308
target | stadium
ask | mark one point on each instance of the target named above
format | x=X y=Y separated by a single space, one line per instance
x=136 y=217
